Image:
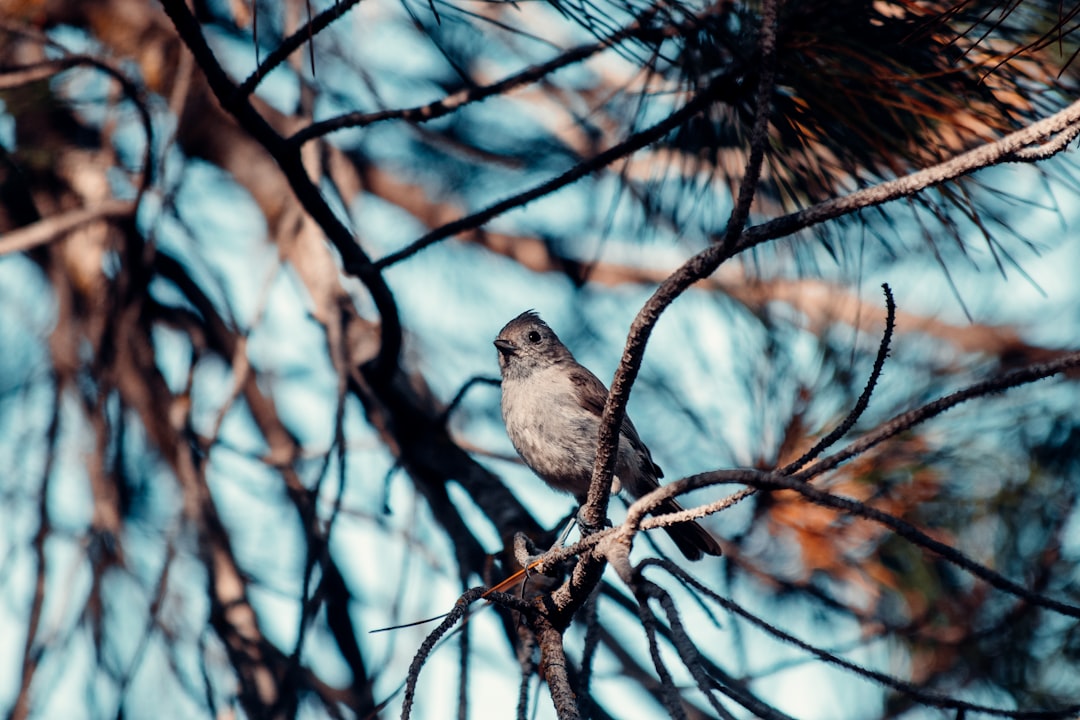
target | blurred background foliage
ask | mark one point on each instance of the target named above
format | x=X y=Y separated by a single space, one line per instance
x=206 y=508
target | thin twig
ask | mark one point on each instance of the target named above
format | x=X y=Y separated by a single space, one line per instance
x=454 y=102
x=590 y=617
x=305 y=33
x=684 y=645
x=918 y=694
x=459 y=611
x=759 y=133
x=50 y=228
x=668 y=696
x=595 y=509
x=354 y=260
x=463 y=390
x=768 y=481
x=908 y=420
x=528 y=668
x=864 y=398
x=706 y=262
x=583 y=169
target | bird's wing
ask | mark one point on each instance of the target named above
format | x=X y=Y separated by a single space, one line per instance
x=592 y=394
x=589 y=391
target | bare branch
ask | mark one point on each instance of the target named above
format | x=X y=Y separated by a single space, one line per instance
x=595 y=509
x=706 y=262
x=582 y=170
x=48 y=229
x=459 y=611
x=905 y=421
x=553 y=665
x=864 y=398
x=1008 y=149
x=670 y=698
x=463 y=669
x=306 y=33
x=762 y=480
x=759 y=133
x=732 y=687
x=452 y=103
x=684 y=645
x=354 y=259
x=528 y=667
x=922 y=696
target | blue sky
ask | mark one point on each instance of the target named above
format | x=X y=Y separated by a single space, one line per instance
x=697 y=406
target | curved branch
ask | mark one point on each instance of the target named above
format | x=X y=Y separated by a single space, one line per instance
x=48 y=229
x=632 y=144
x=595 y=509
x=668 y=695
x=684 y=645
x=916 y=693
x=734 y=688
x=21 y=74
x=864 y=398
x=456 y=614
x=451 y=103
x=304 y=33
x=1035 y=142
x=705 y=263
x=768 y=481
x=910 y=419
x=636 y=519
x=354 y=260
x=759 y=133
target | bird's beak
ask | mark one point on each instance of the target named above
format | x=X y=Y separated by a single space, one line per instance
x=505 y=347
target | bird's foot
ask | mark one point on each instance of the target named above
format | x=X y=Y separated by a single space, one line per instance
x=588 y=528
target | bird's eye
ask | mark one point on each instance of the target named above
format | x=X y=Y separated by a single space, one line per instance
x=533 y=336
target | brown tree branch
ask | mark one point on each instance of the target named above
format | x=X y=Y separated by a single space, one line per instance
x=732 y=687
x=55 y=226
x=595 y=509
x=706 y=262
x=864 y=397
x=920 y=695
x=906 y=421
x=287 y=46
x=354 y=259
x=582 y=170
x=553 y=668
x=762 y=480
x=455 y=616
x=32 y=652
x=452 y=103
x=1025 y=145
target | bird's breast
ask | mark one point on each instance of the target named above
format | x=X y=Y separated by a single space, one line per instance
x=554 y=435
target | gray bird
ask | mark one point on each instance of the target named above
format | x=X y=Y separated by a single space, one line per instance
x=552 y=407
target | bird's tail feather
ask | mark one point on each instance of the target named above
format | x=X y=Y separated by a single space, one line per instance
x=692 y=539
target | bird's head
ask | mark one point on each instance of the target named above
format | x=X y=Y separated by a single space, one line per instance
x=526 y=344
